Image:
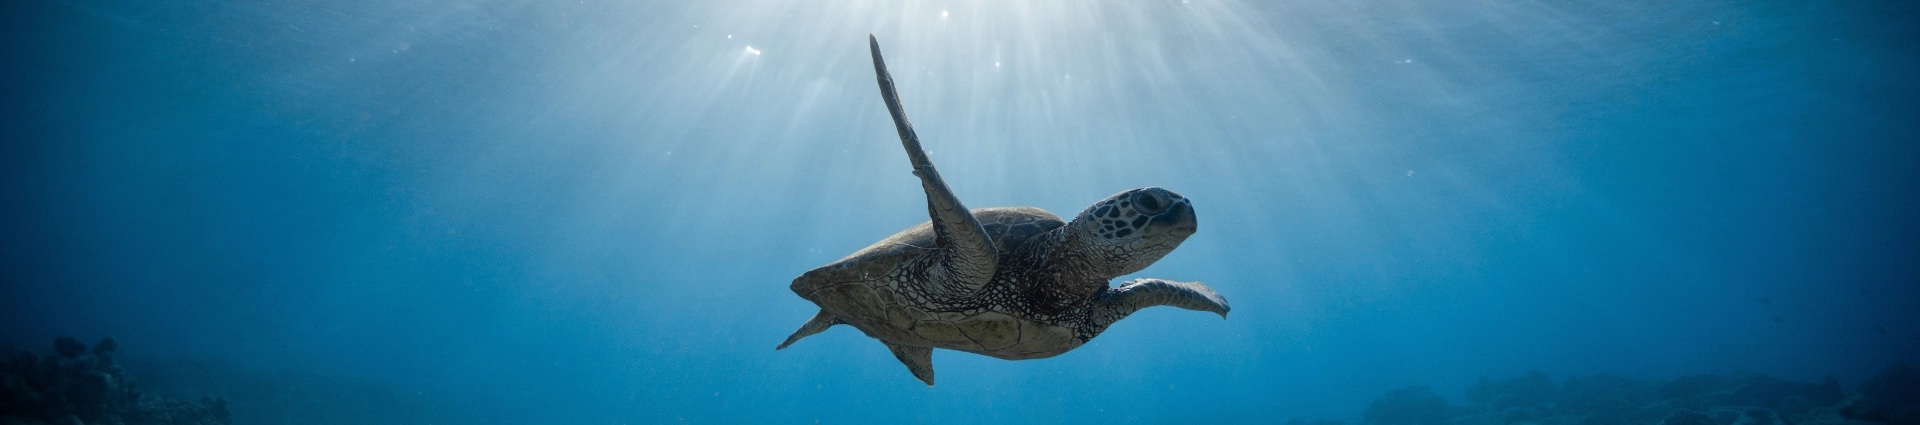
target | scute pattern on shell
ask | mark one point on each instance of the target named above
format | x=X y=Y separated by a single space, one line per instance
x=1000 y=321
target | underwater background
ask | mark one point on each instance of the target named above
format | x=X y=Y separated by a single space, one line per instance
x=589 y=211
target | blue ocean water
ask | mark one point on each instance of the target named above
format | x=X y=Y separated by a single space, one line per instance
x=589 y=212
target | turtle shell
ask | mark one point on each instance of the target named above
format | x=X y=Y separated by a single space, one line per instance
x=872 y=291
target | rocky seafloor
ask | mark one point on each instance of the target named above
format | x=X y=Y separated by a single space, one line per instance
x=1890 y=397
x=77 y=385
x=80 y=385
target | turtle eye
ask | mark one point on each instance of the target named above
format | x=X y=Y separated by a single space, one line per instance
x=1149 y=202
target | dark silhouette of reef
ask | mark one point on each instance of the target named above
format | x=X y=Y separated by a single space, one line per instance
x=80 y=386
x=1892 y=397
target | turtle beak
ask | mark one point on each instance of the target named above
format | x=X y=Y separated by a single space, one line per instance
x=1179 y=220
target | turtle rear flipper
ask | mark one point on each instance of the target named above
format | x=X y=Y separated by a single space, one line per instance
x=819 y=323
x=919 y=360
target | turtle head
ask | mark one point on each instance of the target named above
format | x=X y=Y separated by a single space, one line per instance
x=1130 y=230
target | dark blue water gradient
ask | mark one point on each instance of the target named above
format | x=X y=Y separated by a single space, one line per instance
x=589 y=213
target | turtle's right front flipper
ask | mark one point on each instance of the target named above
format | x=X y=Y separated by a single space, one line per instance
x=968 y=258
x=1118 y=303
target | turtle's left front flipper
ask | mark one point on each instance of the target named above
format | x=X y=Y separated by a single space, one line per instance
x=1117 y=303
x=967 y=256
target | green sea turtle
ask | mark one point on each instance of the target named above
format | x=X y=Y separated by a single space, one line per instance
x=1010 y=282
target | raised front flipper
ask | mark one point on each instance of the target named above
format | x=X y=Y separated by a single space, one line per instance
x=919 y=360
x=1117 y=303
x=967 y=256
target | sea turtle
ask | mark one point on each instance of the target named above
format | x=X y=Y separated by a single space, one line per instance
x=1010 y=282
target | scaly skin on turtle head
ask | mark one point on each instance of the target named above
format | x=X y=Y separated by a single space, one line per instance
x=1130 y=230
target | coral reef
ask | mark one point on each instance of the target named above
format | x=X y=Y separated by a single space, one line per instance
x=1891 y=397
x=1410 y=406
x=81 y=386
